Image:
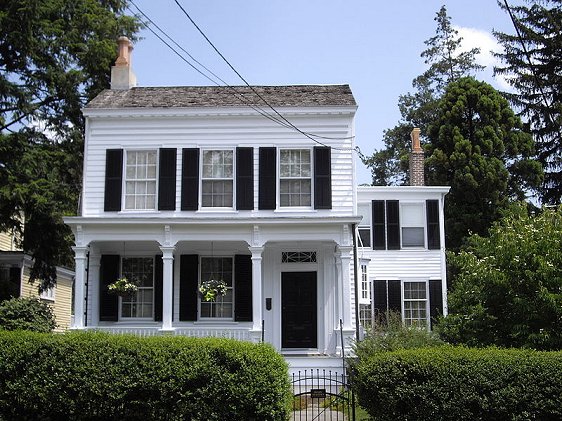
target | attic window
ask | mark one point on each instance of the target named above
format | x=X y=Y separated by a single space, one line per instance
x=298 y=257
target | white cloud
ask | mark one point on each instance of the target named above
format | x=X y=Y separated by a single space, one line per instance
x=477 y=38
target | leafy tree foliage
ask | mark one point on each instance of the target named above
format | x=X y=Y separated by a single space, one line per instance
x=55 y=55
x=447 y=63
x=26 y=314
x=508 y=291
x=533 y=66
x=477 y=147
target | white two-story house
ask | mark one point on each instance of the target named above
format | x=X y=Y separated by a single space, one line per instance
x=254 y=186
x=187 y=184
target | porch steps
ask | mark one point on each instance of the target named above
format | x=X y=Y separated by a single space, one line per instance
x=314 y=362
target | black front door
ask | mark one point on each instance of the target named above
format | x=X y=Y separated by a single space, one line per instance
x=299 y=313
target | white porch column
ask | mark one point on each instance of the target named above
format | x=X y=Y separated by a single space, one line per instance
x=94 y=288
x=167 y=287
x=79 y=286
x=257 y=301
x=345 y=257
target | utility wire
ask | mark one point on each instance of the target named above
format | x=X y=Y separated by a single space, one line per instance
x=308 y=135
x=236 y=92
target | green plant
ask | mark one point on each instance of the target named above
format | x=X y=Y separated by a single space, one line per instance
x=89 y=375
x=389 y=333
x=212 y=289
x=454 y=383
x=123 y=286
x=26 y=314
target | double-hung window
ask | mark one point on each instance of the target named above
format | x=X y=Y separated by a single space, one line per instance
x=412 y=224
x=218 y=268
x=217 y=178
x=364 y=210
x=141 y=303
x=415 y=303
x=295 y=177
x=140 y=180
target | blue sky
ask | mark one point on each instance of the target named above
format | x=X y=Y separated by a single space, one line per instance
x=372 y=45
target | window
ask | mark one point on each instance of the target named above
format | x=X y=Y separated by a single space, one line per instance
x=364 y=211
x=218 y=268
x=365 y=317
x=295 y=183
x=217 y=179
x=48 y=294
x=298 y=257
x=412 y=223
x=140 y=304
x=415 y=303
x=365 y=290
x=9 y=282
x=140 y=180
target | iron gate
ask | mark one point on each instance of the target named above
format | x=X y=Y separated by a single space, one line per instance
x=322 y=396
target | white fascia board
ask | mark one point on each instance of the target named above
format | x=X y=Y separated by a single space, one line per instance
x=214 y=111
x=366 y=194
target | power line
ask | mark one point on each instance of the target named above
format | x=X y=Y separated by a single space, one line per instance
x=308 y=135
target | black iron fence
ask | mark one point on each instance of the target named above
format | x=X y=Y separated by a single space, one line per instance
x=321 y=395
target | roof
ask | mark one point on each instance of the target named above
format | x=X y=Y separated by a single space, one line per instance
x=225 y=96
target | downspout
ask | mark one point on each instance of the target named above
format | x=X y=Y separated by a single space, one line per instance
x=355 y=281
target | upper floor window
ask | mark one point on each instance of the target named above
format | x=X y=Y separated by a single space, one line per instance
x=295 y=177
x=412 y=224
x=364 y=229
x=140 y=180
x=217 y=178
x=141 y=303
x=220 y=268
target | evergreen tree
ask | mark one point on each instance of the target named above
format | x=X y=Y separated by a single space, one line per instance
x=55 y=55
x=533 y=66
x=447 y=63
x=477 y=147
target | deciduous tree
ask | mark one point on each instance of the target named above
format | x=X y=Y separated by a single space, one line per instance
x=508 y=291
x=55 y=55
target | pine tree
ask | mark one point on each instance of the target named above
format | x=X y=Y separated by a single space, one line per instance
x=447 y=63
x=533 y=67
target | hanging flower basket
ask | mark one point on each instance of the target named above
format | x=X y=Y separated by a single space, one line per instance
x=212 y=289
x=123 y=287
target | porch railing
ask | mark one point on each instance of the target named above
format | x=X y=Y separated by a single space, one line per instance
x=240 y=334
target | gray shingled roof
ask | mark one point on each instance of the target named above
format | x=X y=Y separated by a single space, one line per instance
x=222 y=96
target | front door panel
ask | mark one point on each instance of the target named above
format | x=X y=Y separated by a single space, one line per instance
x=299 y=325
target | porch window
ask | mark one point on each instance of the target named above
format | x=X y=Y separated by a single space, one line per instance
x=365 y=287
x=365 y=315
x=220 y=268
x=415 y=303
x=140 y=304
x=140 y=180
x=295 y=183
x=217 y=178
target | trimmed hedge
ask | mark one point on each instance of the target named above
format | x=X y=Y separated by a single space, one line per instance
x=98 y=376
x=447 y=383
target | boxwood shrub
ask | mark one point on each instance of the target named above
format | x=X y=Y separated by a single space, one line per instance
x=448 y=383
x=100 y=376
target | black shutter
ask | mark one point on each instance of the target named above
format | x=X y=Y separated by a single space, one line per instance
x=190 y=179
x=158 y=286
x=380 y=299
x=378 y=212
x=113 y=180
x=393 y=225
x=109 y=273
x=432 y=213
x=167 y=179
x=243 y=288
x=189 y=281
x=394 y=296
x=267 y=178
x=322 y=177
x=435 y=300
x=245 y=178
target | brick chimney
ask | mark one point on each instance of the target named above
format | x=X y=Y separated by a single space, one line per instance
x=416 y=160
x=122 y=76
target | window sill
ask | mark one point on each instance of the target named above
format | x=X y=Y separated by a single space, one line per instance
x=290 y=209
x=216 y=322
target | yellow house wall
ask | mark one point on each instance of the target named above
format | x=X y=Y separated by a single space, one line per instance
x=7 y=242
x=62 y=303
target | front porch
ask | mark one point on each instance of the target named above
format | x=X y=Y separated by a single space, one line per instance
x=281 y=289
